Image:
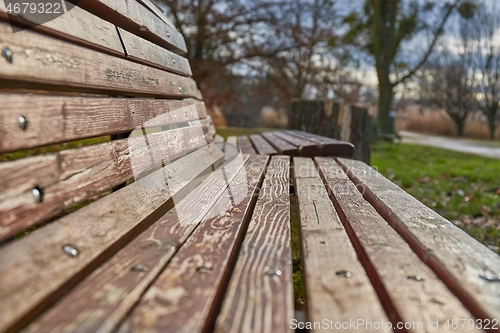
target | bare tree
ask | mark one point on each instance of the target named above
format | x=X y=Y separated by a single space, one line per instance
x=487 y=72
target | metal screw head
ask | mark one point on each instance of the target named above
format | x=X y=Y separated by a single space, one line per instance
x=173 y=60
x=70 y=250
x=37 y=194
x=8 y=54
x=417 y=278
x=203 y=269
x=22 y=122
x=140 y=268
x=168 y=34
x=180 y=90
x=345 y=274
x=273 y=272
x=205 y=162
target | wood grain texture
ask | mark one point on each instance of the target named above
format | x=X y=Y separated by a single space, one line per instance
x=36 y=272
x=262 y=146
x=134 y=17
x=467 y=267
x=143 y=51
x=329 y=147
x=408 y=289
x=245 y=146
x=282 y=146
x=76 y=25
x=103 y=299
x=260 y=293
x=48 y=63
x=56 y=119
x=186 y=295
x=74 y=175
x=326 y=253
x=158 y=12
x=306 y=148
x=231 y=148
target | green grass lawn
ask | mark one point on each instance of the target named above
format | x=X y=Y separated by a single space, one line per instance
x=460 y=187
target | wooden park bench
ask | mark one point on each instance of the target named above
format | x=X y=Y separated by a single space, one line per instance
x=121 y=210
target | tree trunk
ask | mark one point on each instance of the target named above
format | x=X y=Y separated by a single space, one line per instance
x=492 y=123
x=460 y=126
x=386 y=95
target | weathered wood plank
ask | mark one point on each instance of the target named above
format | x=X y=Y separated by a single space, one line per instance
x=48 y=63
x=327 y=253
x=56 y=119
x=328 y=146
x=219 y=141
x=36 y=271
x=134 y=17
x=186 y=295
x=231 y=148
x=468 y=268
x=306 y=148
x=76 y=25
x=157 y=10
x=72 y=176
x=283 y=147
x=89 y=306
x=260 y=293
x=408 y=289
x=245 y=145
x=262 y=146
x=143 y=51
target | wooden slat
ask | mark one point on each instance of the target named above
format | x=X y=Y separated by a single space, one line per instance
x=306 y=148
x=134 y=17
x=143 y=51
x=186 y=295
x=326 y=253
x=36 y=271
x=47 y=63
x=468 y=268
x=72 y=176
x=283 y=147
x=231 y=148
x=329 y=147
x=219 y=141
x=158 y=12
x=245 y=145
x=56 y=119
x=76 y=25
x=89 y=304
x=260 y=294
x=262 y=146
x=408 y=289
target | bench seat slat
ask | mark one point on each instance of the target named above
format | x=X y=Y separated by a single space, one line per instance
x=231 y=148
x=306 y=148
x=184 y=298
x=282 y=146
x=44 y=62
x=57 y=119
x=158 y=12
x=89 y=304
x=260 y=294
x=74 y=175
x=36 y=271
x=245 y=145
x=76 y=25
x=329 y=146
x=465 y=265
x=136 y=18
x=262 y=146
x=327 y=252
x=141 y=50
x=408 y=289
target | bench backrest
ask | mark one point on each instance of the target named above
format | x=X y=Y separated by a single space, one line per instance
x=103 y=76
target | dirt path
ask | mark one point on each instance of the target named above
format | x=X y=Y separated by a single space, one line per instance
x=461 y=145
